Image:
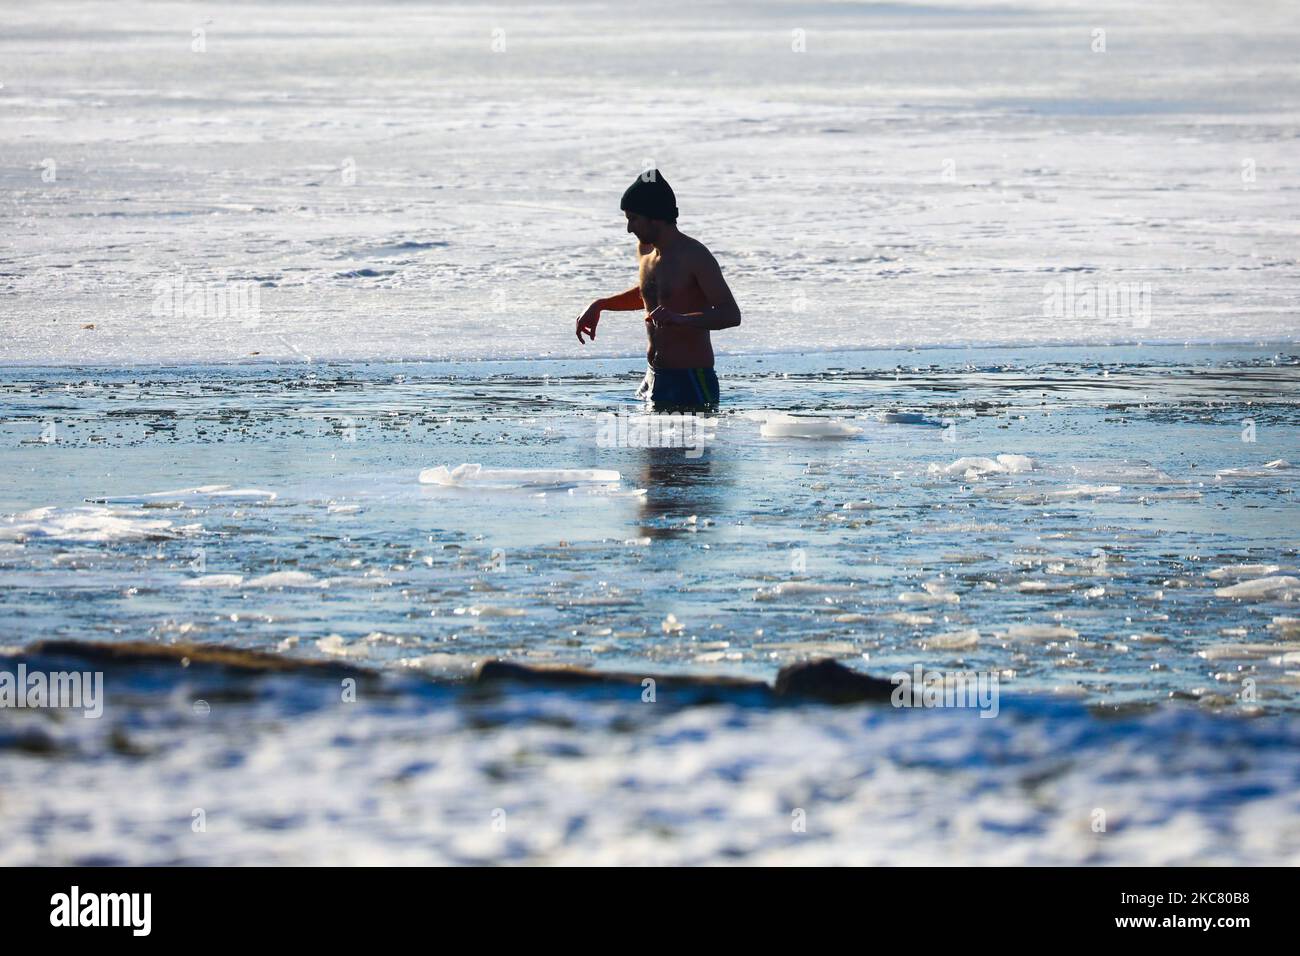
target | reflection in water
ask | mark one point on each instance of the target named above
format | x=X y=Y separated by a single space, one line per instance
x=677 y=487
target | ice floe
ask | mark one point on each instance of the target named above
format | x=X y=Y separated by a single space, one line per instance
x=976 y=467
x=905 y=418
x=182 y=496
x=953 y=640
x=1232 y=571
x=1277 y=588
x=797 y=588
x=487 y=610
x=1129 y=471
x=285 y=579
x=791 y=426
x=214 y=581
x=1039 y=632
x=88 y=524
x=476 y=476
x=1266 y=470
x=1245 y=651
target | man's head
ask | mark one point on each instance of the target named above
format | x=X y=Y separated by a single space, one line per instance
x=650 y=206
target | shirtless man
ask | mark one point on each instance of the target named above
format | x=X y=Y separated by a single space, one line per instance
x=684 y=297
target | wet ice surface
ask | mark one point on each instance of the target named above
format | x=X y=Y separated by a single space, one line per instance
x=918 y=175
x=1083 y=523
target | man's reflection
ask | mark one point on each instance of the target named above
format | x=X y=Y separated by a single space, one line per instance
x=676 y=487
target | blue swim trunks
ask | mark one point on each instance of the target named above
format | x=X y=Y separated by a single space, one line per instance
x=680 y=389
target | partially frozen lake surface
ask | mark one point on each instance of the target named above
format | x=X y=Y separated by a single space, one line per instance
x=413 y=180
x=287 y=296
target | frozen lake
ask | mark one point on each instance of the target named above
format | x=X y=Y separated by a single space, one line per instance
x=1015 y=394
x=405 y=181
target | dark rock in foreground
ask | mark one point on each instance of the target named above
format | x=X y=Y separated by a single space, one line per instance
x=823 y=681
x=128 y=653
x=830 y=682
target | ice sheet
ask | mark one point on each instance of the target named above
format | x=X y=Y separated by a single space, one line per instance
x=476 y=476
x=909 y=174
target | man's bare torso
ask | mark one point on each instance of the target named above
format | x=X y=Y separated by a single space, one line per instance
x=668 y=279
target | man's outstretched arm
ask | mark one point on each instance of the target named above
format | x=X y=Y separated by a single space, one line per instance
x=629 y=301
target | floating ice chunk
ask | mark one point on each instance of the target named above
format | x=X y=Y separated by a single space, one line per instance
x=1040 y=632
x=1254 y=471
x=214 y=581
x=788 y=426
x=451 y=665
x=476 y=476
x=1288 y=626
x=1283 y=588
x=1232 y=571
x=1146 y=637
x=965 y=557
x=793 y=588
x=905 y=418
x=285 y=579
x=969 y=467
x=929 y=597
x=610 y=491
x=1173 y=496
x=1085 y=491
x=1128 y=471
x=86 y=524
x=975 y=467
x=487 y=610
x=1242 y=652
x=360 y=581
x=335 y=645
x=714 y=657
x=1016 y=463
x=911 y=620
x=181 y=495
x=953 y=640
x=671 y=625
x=967 y=527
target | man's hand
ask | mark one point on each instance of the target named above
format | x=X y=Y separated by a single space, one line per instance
x=662 y=317
x=587 y=322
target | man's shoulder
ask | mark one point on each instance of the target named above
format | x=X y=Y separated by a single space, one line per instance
x=697 y=250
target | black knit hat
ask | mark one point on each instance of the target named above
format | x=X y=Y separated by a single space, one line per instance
x=651 y=196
